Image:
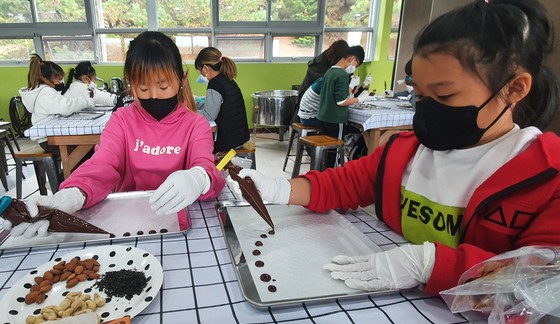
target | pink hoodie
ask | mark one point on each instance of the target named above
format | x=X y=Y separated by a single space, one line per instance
x=136 y=152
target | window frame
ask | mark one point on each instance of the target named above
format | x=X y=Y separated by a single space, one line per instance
x=36 y=30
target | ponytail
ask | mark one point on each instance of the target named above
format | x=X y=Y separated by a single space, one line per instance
x=213 y=58
x=42 y=72
x=228 y=68
x=34 y=77
x=70 y=78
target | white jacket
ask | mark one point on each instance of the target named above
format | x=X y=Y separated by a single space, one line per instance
x=80 y=89
x=45 y=103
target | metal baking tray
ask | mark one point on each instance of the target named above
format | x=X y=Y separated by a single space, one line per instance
x=126 y=215
x=243 y=263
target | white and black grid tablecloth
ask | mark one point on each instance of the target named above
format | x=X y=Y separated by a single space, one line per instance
x=69 y=126
x=378 y=118
x=200 y=285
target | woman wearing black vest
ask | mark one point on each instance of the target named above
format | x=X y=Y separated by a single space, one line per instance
x=224 y=101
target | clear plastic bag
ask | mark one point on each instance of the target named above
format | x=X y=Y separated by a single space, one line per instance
x=520 y=286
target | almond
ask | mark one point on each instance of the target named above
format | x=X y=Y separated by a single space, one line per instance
x=72 y=283
x=82 y=277
x=30 y=298
x=79 y=269
x=46 y=288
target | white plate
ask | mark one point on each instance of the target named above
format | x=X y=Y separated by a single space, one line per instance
x=111 y=258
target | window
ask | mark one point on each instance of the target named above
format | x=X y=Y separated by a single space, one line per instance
x=341 y=13
x=16 y=49
x=55 y=11
x=121 y=14
x=293 y=10
x=180 y=13
x=68 y=31
x=395 y=24
x=243 y=46
x=191 y=44
x=15 y=11
x=293 y=46
x=242 y=10
x=68 y=48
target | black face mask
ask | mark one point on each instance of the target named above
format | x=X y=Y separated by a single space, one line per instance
x=59 y=87
x=159 y=108
x=441 y=127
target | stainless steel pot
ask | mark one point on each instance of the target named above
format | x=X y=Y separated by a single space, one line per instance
x=269 y=106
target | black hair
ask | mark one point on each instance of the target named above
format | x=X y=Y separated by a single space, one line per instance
x=336 y=51
x=212 y=57
x=42 y=72
x=151 y=54
x=494 y=40
x=83 y=68
x=408 y=67
x=356 y=51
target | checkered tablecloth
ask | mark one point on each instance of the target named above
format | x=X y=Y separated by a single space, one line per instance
x=377 y=118
x=69 y=126
x=200 y=285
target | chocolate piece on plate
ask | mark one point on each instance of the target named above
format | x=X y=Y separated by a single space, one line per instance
x=60 y=221
x=248 y=190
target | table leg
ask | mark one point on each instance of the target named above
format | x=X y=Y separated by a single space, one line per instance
x=372 y=137
x=71 y=155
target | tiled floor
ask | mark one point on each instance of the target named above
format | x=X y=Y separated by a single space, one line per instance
x=270 y=159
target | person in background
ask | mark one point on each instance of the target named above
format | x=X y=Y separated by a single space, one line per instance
x=335 y=96
x=156 y=143
x=309 y=104
x=469 y=182
x=409 y=93
x=224 y=100
x=42 y=100
x=316 y=68
x=81 y=82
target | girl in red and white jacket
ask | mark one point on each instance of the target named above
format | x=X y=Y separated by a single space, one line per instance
x=477 y=177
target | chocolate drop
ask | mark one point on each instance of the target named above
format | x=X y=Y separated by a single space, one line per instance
x=263 y=236
x=265 y=277
x=258 y=243
x=259 y=263
x=256 y=252
x=272 y=288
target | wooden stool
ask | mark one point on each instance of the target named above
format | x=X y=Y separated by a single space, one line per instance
x=298 y=130
x=42 y=162
x=248 y=151
x=317 y=144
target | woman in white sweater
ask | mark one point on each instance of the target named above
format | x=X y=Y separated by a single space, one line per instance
x=81 y=83
x=43 y=101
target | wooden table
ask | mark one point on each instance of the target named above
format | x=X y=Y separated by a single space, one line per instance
x=380 y=120
x=73 y=148
x=74 y=136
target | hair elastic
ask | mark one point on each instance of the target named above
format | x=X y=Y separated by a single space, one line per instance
x=221 y=58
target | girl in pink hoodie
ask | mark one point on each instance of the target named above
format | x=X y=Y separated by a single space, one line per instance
x=157 y=143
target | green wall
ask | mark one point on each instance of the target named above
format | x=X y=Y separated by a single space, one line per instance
x=252 y=77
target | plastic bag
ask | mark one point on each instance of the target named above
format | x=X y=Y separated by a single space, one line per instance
x=520 y=286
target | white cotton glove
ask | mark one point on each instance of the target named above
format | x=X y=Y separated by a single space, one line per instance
x=68 y=200
x=272 y=190
x=399 y=268
x=367 y=81
x=354 y=81
x=234 y=187
x=180 y=189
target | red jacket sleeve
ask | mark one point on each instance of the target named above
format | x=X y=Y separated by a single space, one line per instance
x=347 y=187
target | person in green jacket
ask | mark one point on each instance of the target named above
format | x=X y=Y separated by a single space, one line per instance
x=335 y=96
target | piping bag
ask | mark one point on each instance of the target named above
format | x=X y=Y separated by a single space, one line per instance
x=16 y=212
x=248 y=189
